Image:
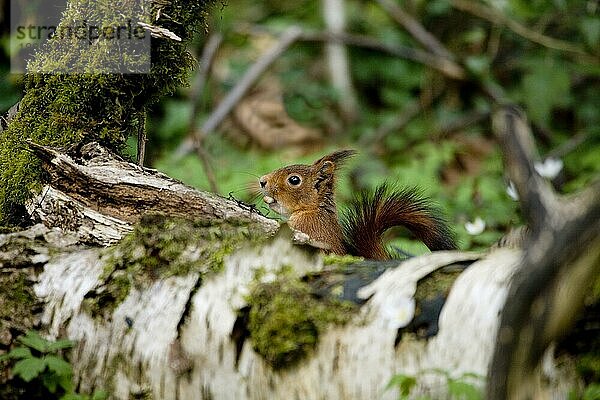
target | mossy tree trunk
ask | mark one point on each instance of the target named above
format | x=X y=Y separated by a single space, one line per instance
x=61 y=109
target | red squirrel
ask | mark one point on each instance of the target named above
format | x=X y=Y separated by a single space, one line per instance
x=305 y=195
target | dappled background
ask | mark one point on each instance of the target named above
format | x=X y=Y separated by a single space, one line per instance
x=409 y=84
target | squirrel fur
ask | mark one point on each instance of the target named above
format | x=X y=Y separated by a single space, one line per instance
x=305 y=195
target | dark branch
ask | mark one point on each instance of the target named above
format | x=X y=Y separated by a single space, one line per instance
x=559 y=265
x=519 y=153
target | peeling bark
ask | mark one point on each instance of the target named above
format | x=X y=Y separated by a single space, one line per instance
x=99 y=195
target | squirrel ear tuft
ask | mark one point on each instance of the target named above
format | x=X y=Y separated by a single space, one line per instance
x=326 y=169
x=337 y=157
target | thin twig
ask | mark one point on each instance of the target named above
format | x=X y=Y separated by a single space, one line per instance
x=142 y=139
x=444 y=65
x=207 y=165
x=568 y=146
x=415 y=28
x=441 y=64
x=408 y=114
x=206 y=62
x=462 y=122
x=536 y=195
x=496 y=17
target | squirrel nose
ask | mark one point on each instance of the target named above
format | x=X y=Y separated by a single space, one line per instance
x=263 y=181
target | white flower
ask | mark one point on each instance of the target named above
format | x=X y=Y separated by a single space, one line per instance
x=511 y=190
x=398 y=312
x=549 y=168
x=476 y=227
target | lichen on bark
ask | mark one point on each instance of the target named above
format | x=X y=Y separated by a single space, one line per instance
x=61 y=109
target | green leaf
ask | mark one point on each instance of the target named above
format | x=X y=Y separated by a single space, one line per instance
x=592 y=392
x=50 y=382
x=100 y=395
x=59 y=345
x=35 y=341
x=59 y=366
x=66 y=382
x=19 y=352
x=404 y=383
x=29 y=368
x=73 y=396
x=464 y=390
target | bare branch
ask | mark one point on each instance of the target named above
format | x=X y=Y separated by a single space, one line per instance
x=207 y=165
x=558 y=267
x=415 y=28
x=568 y=146
x=462 y=122
x=208 y=55
x=206 y=61
x=445 y=66
x=537 y=197
x=142 y=139
x=496 y=17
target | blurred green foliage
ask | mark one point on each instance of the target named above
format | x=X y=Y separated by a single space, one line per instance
x=458 y=165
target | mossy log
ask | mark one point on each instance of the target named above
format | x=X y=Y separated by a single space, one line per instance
x=178 y=336
x=201 y=301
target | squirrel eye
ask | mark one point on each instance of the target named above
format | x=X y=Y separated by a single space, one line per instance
x=294 y=180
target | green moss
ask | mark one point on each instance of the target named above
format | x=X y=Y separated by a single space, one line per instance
x=286 y=318
x=331 y=259
x=160 y=247
x=437 y=283
x=66 y=109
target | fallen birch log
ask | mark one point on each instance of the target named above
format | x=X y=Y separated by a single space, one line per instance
x=191 y=296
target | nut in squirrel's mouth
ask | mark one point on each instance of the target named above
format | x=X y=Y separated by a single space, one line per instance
x=275 y=206
x=269 y=200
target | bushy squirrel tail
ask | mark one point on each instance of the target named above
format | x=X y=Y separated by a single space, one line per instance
x=370 y=215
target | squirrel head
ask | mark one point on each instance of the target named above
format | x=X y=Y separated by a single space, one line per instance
x=303 y=187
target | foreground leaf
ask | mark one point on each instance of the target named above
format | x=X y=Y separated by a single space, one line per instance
x=29 y=368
